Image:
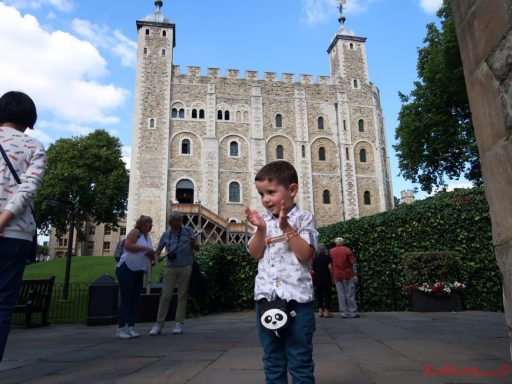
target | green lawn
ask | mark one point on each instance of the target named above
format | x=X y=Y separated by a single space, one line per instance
x=84 y=269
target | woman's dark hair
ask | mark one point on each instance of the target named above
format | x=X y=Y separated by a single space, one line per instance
x=17 y=108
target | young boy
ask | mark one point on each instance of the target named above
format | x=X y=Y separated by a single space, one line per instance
x=284 y=242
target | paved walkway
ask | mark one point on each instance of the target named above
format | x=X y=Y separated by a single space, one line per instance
x=385 y=347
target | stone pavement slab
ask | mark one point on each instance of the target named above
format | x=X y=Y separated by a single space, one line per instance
x=379 y=347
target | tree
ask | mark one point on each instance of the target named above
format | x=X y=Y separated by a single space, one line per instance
x=435 y=134
x=87 y=170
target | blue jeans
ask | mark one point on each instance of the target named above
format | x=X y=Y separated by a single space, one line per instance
x=13 y=258
x=292 y=350
x=130 y=286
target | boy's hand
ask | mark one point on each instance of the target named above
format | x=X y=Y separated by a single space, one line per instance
x=283 y=220
x=254 y=218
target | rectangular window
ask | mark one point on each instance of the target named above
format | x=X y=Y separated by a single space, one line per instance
x=123 y=231
x=90 y=245
x=92 y=230
x=107 y=231
x=106 y=245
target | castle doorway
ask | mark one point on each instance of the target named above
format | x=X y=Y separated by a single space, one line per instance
x=185 y=192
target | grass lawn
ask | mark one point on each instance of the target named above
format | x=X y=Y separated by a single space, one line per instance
x=84 y=269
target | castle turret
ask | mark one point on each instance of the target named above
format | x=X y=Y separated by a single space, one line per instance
x=150 y=132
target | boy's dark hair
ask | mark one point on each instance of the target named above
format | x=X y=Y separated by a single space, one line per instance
x=280 y=170
x=17 y=108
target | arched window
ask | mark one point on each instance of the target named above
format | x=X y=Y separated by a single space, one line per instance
x=326 y=196
x=360 y=125
x=234 y=192
x=147 y=31
x=174 y=113
x=321 y=123
x=279 y=152
x=219 y=115
x=164 y=33
x=201 y=113
x=351 y=46
x=233 y=149
x=163 y=52
x=367 y=198
x=279 y=121
x=355 y=83
x=321 y=154
x=226 y=115
x=194 y=113
x=181 y=113
x=145 y=51
x=185 y=147
x=362 y=155
x=152 y=123
x=246 y=116
x=238 y=116
x=303 y=151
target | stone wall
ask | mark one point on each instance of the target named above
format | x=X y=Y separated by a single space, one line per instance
x=484 y=32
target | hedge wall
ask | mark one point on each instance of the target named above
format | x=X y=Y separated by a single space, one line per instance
x=450 y=221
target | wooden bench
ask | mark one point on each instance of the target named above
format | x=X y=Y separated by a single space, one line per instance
x=35 y=297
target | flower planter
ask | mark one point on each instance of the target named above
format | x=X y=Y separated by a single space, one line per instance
x=422 y=302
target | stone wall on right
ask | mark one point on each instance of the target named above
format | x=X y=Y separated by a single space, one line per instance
x=484 y=32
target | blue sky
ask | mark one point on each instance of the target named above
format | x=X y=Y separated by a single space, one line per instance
x=77 y=58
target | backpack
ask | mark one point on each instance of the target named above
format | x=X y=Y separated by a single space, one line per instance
x=119 y=250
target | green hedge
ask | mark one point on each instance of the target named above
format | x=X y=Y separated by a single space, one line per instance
x=450 y=221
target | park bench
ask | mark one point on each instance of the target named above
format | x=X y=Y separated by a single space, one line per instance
x=35 y=297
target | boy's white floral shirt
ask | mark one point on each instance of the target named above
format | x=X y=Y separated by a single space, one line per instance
x=279 y=270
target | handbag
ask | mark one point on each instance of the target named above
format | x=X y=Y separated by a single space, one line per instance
x=33 y=248
x=276 y=314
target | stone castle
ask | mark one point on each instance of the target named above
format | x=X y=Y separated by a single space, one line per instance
x=203 y=138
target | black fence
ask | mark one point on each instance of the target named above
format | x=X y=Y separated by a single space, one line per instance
x=72 y=310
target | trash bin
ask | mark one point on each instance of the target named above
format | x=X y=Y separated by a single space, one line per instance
x=103 y=295
x=148 y=304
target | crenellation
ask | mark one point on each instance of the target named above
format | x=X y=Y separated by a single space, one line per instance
x=193 y=71
x=251 y=75
x=306 y=79
x=323 y=80
x=269 y=76
x=288 y=78
x=214 y=72
x=232 y=73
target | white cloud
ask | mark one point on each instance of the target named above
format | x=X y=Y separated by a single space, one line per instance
x=126 y=152
x=59 y=71
x=319 y=11
x=101 y=37
x=431 y=6
x=60 y=5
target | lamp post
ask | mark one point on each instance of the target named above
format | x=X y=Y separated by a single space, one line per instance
x=73 y=210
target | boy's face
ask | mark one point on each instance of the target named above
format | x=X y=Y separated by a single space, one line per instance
x=274 y=195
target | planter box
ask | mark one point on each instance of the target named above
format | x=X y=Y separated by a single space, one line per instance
x=421 y=302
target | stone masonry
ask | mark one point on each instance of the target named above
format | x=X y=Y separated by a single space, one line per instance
x=484 y=32
x=209 y=135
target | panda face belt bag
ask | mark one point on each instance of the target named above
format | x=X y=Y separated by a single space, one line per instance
x=275 y=315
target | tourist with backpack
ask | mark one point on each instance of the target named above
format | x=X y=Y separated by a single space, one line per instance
x=135 y=260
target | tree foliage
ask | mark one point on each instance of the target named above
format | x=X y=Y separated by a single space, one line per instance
x=87 y=169
x=435 y=134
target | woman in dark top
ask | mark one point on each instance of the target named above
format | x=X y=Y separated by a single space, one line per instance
x=323 y=280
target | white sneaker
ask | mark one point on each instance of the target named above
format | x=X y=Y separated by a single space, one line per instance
x=156 y=330
x=132 y=332
x=123 y=333
x=178 y=329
